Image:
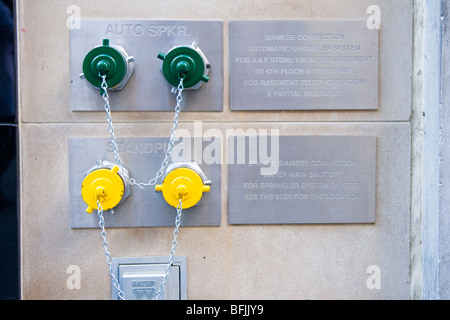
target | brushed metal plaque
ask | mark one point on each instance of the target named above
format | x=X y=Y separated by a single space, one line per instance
x=141 y=277
x=313 y=179
x=147 y=89
x=303 y=65
x=142 y=158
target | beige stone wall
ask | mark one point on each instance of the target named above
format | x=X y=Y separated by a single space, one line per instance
x=226 y=262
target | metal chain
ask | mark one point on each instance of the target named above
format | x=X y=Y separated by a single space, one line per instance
x=119 y=162
x=151 y=182
x=107 y=107
x=101 y=224
x=172 y=252
x=168 y=153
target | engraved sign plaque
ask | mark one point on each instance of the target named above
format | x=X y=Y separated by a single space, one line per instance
x=312 y=179
x=147 y=89
x=303 y=65
x=142 y=158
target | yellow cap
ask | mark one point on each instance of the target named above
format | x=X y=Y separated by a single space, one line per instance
x=104 y=185
x=184 y=184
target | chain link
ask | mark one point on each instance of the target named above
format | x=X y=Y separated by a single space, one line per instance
x=168 y=153
x=172 y=252
x=119 y=162
x=105 y=244
x=107 y=107
x=151 y=182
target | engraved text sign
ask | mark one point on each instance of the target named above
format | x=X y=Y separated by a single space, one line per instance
x=313 y=179
x=303 y=65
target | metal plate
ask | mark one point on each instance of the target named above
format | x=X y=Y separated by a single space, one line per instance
x=303 y=65
x=147 y=89
x=318 y=179
x=141 y=277
x=143 y=157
